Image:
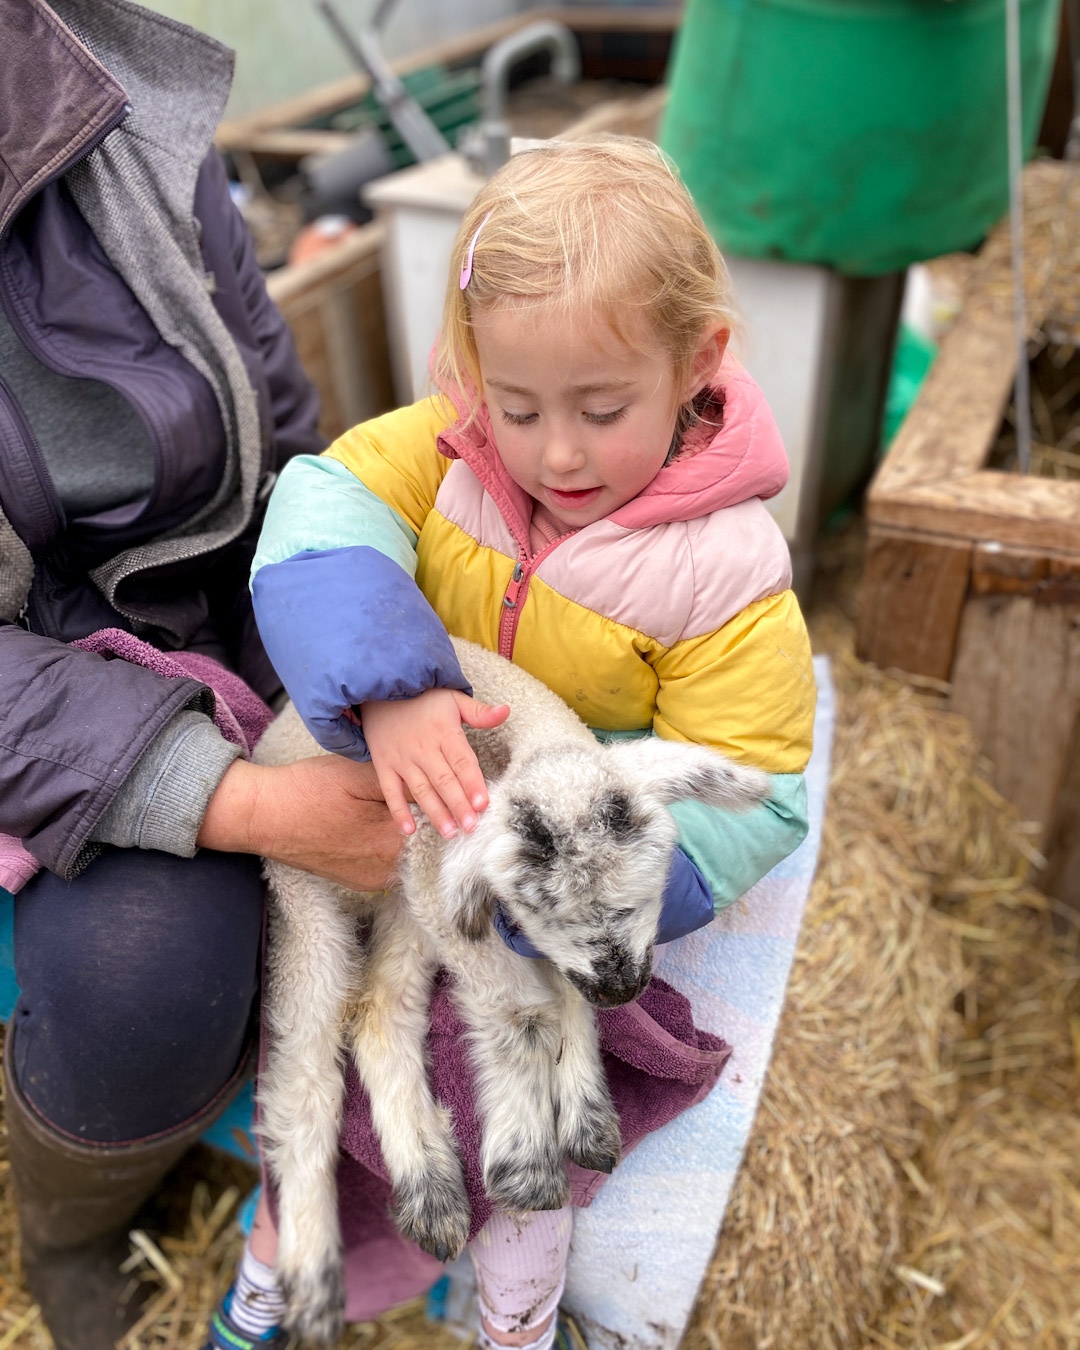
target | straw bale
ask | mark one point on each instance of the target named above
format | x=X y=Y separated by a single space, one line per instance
x=913 y=1178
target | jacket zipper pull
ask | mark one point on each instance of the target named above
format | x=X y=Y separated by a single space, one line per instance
x=510 y=599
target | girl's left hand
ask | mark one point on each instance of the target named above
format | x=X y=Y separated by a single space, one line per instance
x=420 y=754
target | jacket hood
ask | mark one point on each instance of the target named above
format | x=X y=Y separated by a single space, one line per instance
x=74 y=70
x=56 y=101
x=733 y=454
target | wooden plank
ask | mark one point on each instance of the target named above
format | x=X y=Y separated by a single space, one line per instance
x=614 y=18
x=951 y=428
x=329 y=98
x=1016 y=678
x=956 y=417
x=1035 y=514
x=1049 y=578
x=1062 y=875
x=301 y=283
x=294 y=145
x=911 y=599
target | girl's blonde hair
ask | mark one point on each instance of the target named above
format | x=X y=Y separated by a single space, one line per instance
x=598 y=228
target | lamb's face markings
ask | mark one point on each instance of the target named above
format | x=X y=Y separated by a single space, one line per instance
x=617 y=817
x=539 y=844
x=575 y=880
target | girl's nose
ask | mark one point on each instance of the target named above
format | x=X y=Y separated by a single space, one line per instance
x=561 y=453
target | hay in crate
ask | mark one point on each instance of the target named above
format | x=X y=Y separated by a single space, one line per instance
x=913 y=1179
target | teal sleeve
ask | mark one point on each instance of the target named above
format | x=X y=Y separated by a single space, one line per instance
x=732 y=849
x=320 y=505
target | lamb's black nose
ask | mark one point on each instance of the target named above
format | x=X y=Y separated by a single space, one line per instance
x=614 y=981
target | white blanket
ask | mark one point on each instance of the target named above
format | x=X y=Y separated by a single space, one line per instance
x=640 y=1252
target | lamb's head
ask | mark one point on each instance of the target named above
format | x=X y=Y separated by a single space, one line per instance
x=576 y=845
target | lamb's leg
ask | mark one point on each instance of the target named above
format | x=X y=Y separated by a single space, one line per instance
x=515 y=1034
x=313 y=962
x=588 y=1124
x=389 y=1037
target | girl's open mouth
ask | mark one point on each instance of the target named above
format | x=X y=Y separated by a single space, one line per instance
x=577 y=497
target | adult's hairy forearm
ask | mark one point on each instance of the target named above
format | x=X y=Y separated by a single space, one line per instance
x=323 y=815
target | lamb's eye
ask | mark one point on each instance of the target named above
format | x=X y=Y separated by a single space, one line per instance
x=615 y=814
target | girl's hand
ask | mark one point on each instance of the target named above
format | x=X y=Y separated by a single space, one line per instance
x=420 y=754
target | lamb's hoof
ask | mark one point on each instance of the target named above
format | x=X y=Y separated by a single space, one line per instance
x=316 y=1303
x=434 y=1215
x=521 y=1186
x=597 y=1145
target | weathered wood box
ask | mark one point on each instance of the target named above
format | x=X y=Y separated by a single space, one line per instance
x=972 y=575
x=334 y=303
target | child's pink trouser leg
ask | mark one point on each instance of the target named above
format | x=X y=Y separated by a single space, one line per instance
x=520 y=1272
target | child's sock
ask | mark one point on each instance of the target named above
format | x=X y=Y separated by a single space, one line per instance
x=545 y=1341
x=254 y=1305
x=520 y=1268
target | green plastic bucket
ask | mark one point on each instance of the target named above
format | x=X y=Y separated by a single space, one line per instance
x=863 y=134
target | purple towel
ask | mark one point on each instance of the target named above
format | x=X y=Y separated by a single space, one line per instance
x=658 y=1064
x=239 y=714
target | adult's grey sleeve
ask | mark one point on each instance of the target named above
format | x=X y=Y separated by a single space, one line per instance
x=163 y=800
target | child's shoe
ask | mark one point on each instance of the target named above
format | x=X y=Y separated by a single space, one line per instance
x=224 y=1334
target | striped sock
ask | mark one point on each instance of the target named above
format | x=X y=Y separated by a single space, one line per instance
x=255 y=1304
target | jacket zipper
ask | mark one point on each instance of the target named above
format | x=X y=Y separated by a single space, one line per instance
x=516 y=592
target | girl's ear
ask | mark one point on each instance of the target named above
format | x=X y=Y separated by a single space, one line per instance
x=709 y=354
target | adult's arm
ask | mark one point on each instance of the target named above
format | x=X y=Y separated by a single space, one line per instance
x=324 y=815
x=73 y=727
x=255 y=322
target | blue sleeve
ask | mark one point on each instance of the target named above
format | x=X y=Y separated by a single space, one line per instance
x=348 y=625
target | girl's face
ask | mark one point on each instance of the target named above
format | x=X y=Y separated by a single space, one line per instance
x=582 y=420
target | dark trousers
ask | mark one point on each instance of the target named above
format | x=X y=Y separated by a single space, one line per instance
x=139 y=979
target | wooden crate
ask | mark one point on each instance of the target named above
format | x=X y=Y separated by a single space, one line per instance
x=972 y=576
x=333 y=305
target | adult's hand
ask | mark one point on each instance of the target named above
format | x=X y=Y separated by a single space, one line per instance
x=324 y=815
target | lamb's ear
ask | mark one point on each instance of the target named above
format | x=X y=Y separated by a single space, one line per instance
x=469 y=900
x=476 y=910
x=674 y=770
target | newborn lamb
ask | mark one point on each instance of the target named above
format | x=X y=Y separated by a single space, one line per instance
x=575 y=847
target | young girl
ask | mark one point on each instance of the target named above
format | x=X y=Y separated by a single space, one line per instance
x=583 y=496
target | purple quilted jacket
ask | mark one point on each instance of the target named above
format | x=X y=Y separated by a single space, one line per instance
x=71 y=724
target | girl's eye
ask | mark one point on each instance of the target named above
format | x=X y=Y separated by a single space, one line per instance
x=605 y=419
x=518 y=419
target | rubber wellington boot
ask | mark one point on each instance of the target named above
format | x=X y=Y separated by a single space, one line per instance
x=75 y=1202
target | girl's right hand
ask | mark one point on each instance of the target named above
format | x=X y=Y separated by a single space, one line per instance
x=420 y=754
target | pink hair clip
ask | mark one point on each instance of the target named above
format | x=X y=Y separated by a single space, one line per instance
x=466 y=271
